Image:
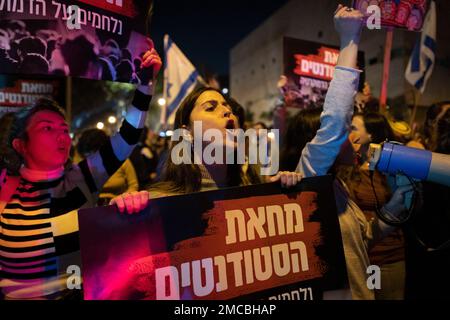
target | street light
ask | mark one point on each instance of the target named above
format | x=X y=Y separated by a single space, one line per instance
x=112 y=119
x=162 y=102
x=169 y=133
x=225 y=90
x=100 y=125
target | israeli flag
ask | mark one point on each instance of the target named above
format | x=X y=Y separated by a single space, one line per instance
x=180 y=78
x=422 y=61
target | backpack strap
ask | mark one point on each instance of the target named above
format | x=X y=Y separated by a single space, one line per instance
x=7 y=190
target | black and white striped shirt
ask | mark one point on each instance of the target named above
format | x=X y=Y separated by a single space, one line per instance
x=39 y=225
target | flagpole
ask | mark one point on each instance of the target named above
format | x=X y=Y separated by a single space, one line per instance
x=163 y=119
x=417 y=99
x=386 y=68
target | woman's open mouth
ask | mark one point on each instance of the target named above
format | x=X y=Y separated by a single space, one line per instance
x=230 y=125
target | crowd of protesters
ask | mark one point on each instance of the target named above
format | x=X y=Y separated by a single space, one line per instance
x=332 y=138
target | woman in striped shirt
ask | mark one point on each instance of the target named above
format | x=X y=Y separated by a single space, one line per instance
x=39 y=224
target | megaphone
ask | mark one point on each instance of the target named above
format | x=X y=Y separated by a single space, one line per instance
x=424 y=165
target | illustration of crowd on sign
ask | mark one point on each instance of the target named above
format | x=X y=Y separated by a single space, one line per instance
x=35 y=38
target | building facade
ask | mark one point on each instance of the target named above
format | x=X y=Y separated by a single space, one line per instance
x=256 y=62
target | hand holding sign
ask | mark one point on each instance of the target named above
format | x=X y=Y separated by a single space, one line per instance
x=254 y=242
x=287 y=179
x=132 y=202
x=151 y=64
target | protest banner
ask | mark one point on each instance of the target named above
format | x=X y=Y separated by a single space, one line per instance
x=94 y=39
x=18 y=92
x=309 y=68
x=404 y=14
x=255 y=242
x=393 y=14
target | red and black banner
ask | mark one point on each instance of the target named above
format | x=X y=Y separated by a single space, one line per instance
x=94 y=39
x=256 y=242
x=404 y=14
x=121 y=7
x=309 y=68
x=18 y=92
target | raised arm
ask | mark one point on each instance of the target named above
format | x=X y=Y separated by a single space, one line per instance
x=98 y=167
x=319 y=155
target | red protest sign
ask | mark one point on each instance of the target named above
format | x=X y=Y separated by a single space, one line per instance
x=308 y=70
x=122 y=7
x=16 y=93
x=405 y=14
x=251 y=242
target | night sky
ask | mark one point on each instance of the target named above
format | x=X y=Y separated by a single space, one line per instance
x=206 y=30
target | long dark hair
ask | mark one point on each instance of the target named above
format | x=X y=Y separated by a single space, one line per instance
x=186 y=178
x=442 y=139
x=301 y=129
x=435 y=128
x=377 y=126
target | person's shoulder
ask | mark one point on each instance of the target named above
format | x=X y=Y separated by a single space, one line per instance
x=415 y=144
x=162 y=189
x=147 y=152
x=74 y=174
x=154 y=193
x=73 y=168
x=127 y=164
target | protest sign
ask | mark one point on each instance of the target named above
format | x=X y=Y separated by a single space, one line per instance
x=309 y=68
x=255 y=242
x=18 y=92
x=405 y=14
x=94 y=39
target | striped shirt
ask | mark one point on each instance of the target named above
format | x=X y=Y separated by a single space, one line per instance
x=39 y=225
